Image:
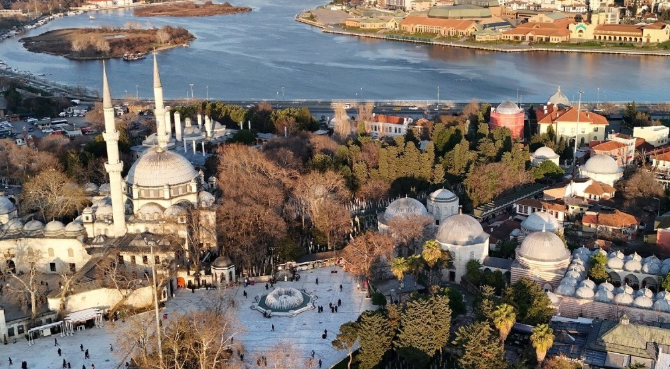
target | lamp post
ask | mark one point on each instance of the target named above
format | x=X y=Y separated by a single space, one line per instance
x=191 y=84
x=438 y=97
x=277 y=99
x=137 y=92
x=598 y=103
x=148 y=239
x=361 y=93
x=207 y=89
x=574 y=154
x=658 y=209
x=282 y=95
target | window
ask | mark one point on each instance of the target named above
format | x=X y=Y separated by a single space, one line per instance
x=10 y=332
x=132 y=259
x=20 y=328
x=52 y=267
x=70 y=252
x=51 y=252
x=595 y=129
x=145 y=259
x=73 y=267
x=121 y=262
x=157 y=259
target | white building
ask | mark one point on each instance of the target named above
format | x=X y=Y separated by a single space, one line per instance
x=543 y=154
x=654 y=135
x=442 y=204
x=465 y=239
x=601 y=168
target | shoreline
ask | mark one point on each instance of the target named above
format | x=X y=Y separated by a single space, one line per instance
x=504 y=48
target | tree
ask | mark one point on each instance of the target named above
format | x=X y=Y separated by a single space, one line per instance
x=399 y=266
x=504 y=319
x=531 y=304
x=559 y=362
x=424 y=328
x=53 y=195
x=375 y=337
x=334 y=220
x=431 y=254
x=162 y=36
x=315 y=188
x=366 y=254
x=665 y=282
x=542 y=339
x=284 y=355
x=456 y=302
x=548 y=169
x=629 y=114
x=480 y=348
x=597 y=268
x=410 y=231
x=346 y=339
x=485 y=304
x=473 y=272
x=25 y=282
x=641 y=189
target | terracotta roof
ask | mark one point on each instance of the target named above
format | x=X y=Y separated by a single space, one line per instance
x=553 y=206
x=608 y=146
x=557 y=193
x=642 y=145
x=618 y=219
x=656 y=25
x=619 y=29
x=388 y=119
x=569 y=115
x=599 y=189
x=460 y=24
x=543 y=29
x=662 y=157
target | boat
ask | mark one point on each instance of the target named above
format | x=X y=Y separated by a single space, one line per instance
x=90 y=17
x=134 y=56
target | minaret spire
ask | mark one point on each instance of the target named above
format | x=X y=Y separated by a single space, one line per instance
x=159 y=111
x=113 y=164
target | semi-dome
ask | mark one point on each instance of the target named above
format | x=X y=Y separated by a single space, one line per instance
x=579 y=268
x=508 y=107
x=603 y=296
x=54 y=228
x=172 y=211
x=545 y=152
x=405 y=206
x=665 y=269
x=104 y=188
x=222 y=262
x=666 y=261
x=623 y=299
x=615 y=263
x=602 y=164
x=205 y=199
x=606 y=286
x=157 y=168
x=6 y=205
x=662 y=295
x=565 y=290
x=577 y=261
x=443 y=195
x=33 y=226
x=584 y=293
x=543 y=247
x=461 y=229
x=90 y=187
x=643 y=302
x=151 y=211
x=633 y=266
x=539 y=221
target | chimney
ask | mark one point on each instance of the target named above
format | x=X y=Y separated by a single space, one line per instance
x=199 y=120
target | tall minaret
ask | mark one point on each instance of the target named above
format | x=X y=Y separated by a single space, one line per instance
x=159 y=112
x=113 y=164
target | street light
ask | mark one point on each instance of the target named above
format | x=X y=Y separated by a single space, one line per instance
x=574 y=155
x=658 y=209
x=137 y=92
x=207 y=89
x=361 y=93
x=149 y=240
x=191 y=84
x=282 y=95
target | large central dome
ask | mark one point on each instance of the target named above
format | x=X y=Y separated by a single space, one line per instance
x=157 y=168
x=543 y=247
x=462 y=230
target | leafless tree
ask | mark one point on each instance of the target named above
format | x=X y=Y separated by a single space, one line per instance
x=24 y=287
x=609 y=108
x=365 y=111
x=162 y=36
x=342 y=123
x=78 y=45
x=53 y=195
x=334 y=220
x=410 y=232
x=315 y=188
x=369 y=253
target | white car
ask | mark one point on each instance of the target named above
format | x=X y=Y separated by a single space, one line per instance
x=47 y=130
x=414 y=108
x=347 y=106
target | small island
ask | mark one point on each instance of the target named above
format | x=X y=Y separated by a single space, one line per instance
x=189 y=10
x=130 y=43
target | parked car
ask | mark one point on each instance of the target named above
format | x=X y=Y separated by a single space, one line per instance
x=414 y=107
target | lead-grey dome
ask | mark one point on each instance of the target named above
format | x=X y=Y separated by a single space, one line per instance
x=403 y=207
x=6 y=205
x=545 y=152
x=461 y=229
x=559 y=98
x=543 y=247
x=538 y=221
x=602 y=164
x=54 y=228
x=33 y=226
x=508 y=107
x=157 y=168
x=222 y=262
x=443 y=195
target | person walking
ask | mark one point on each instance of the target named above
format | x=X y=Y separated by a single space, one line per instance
x=335 y=308
x=55 y=341
x=320 y=362
x=267 y=287
x=81 y=347
x=313 y=354
x=10 y=361
x=83 y=367
x=68 y=365
x=59 y=352
x=64 y=364
x=317 y=281
x=111 y=348
x=245 y=294
x=339 y=302
x=86 y=356
x=340 y=288
x=273 y=327
x=92 y=366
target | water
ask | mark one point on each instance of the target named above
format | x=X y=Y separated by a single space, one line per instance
x=253 y=55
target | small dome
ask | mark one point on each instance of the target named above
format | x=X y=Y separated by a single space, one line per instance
x=553 y=298
x=584 y=293
x=577 y=261
x=651 y=268
x=74 y=229
x=665 y=269
x=104 y=188
x=405 y=206
x=581 y=251
x=623 y=299
x=579 y=268
x=90 y=187
x=539 y=221
x=461 y=229
x=615 y=263
x=222 y=262
x=606 y=286
x=662 y=305
x=666 y=262
x=6 y=205
x=644 y=292
x=599 y=251
x=662 y=295
x=543 y=247
x=652 y=259
x=508 y=107
x=33 y=226
x=602 y=164
x=205 y=199
x=569 y=281
x=574 y=275
x=545 y=153
x=14 y=226
x=643 y=302
x=632 y=266
x=54 y=228
x=173 y=211
x=588 y=283
x=604 y=296
x=624 y=289
x=559 y=98
x=443 y=195
x=157 y=168
x=565 y=290
x=151 y=211
x=103 y=212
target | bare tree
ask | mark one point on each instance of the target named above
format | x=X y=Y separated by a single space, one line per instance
x=365 y=111
x=411 y=231
x=369 y=253
x=78 y=45
x=25 y=281
x=53 y=195
x=315 y=188
x=342 y=123
x=334 y=220
x=102 y=46
x=609 y=108
x=162 y=36
x=69 y=282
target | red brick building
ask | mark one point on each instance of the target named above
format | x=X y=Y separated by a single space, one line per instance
x=509 y=115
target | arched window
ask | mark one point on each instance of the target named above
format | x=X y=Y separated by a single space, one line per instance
x=70 y=252
x=51 y=252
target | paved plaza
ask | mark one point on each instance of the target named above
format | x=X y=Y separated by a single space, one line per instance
x=302 y=331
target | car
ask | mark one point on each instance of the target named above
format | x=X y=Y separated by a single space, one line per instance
x=250 y=105
x=397 y=109
x=414 y=107
x=347 y=106
x=31 y=129
x=47 y=130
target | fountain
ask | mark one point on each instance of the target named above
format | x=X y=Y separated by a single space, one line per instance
x=284 y=302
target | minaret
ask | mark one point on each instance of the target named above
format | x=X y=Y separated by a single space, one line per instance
x=113 y=164
x=159 y=111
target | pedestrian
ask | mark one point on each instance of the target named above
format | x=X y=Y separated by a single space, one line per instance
x=339 y=302
x=317 y=281
x=325 y=331
x=320 y=363
x=64 y=364
x=92 y=366
x=273 y=327
x=232 y=340
x=332 y=309
x=24 y=365
x=86 y=355
x=241 y=357
x=313 y=354
x=111 y=348
x=83 y=367
x=81 y=347
x=267 y=287
x=10 y=361
x=59 y=352
x=340 y=288
x=330 y=305
x=55 y=341
x=335 y=308
x=68 y=365
x=245 y=294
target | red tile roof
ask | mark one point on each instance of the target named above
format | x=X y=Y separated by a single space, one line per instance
x=459 y=24
x=608 y=146
x=569 y=115
x=618 y=219
x=599 y=189
x=388 y=119
x=662 y=157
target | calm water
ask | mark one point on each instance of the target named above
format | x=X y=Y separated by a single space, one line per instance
x=252 y=55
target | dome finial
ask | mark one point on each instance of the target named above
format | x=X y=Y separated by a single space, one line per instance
x=544 y=227
x=460 y=209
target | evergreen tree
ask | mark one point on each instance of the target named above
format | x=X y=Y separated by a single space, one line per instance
x=346 y=339
x=547 y=169
x=424 y=328
x=427 y=161
x=456 y=303
x=485 y=304
x=542 y=339
x=665 y=282
x=530 y=302
x=597 y=269
x=481 y=348
x=375 y=335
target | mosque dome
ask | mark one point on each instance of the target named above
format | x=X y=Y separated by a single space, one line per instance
x=205 y=199
x=461 y=229
x=553 y=297
x=606 y=286
x=570 y=281
x=579 y=268
x=584 y=293
x=662 y=305
x=172 y=211
x=74 y=229
x=574 y=274
x=443 y=195
x=508 y=107
x=90 y=187
x=644 y=292
x=665 y=269
x=565 y=290
x=151 y=211
x=222 y=262
x=623 y=299
x=103 y=211
x=33 y=226
x=624 y=289
x=633 y=266
x=6 y=205
x=543 y=247
x=157 y=168
x=104 y=188
x=603 y=296
x=538 y=221
x=588 y=283
x=666 y=261
x=13 y=226
x=615 y=263
x=599 y=251
x=405 y=206
x=651 y=268
x=663 y=295
x=54 y=228
x=545 y=152
x=577 y=261
x=602 y=164
x=559 y=98
x=643 y=302
x=652 y=259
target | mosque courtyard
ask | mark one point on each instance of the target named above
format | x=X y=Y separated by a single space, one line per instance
x=303 y=331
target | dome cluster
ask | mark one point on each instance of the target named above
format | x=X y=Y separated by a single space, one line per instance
x=32 y=228
x=636 y=264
